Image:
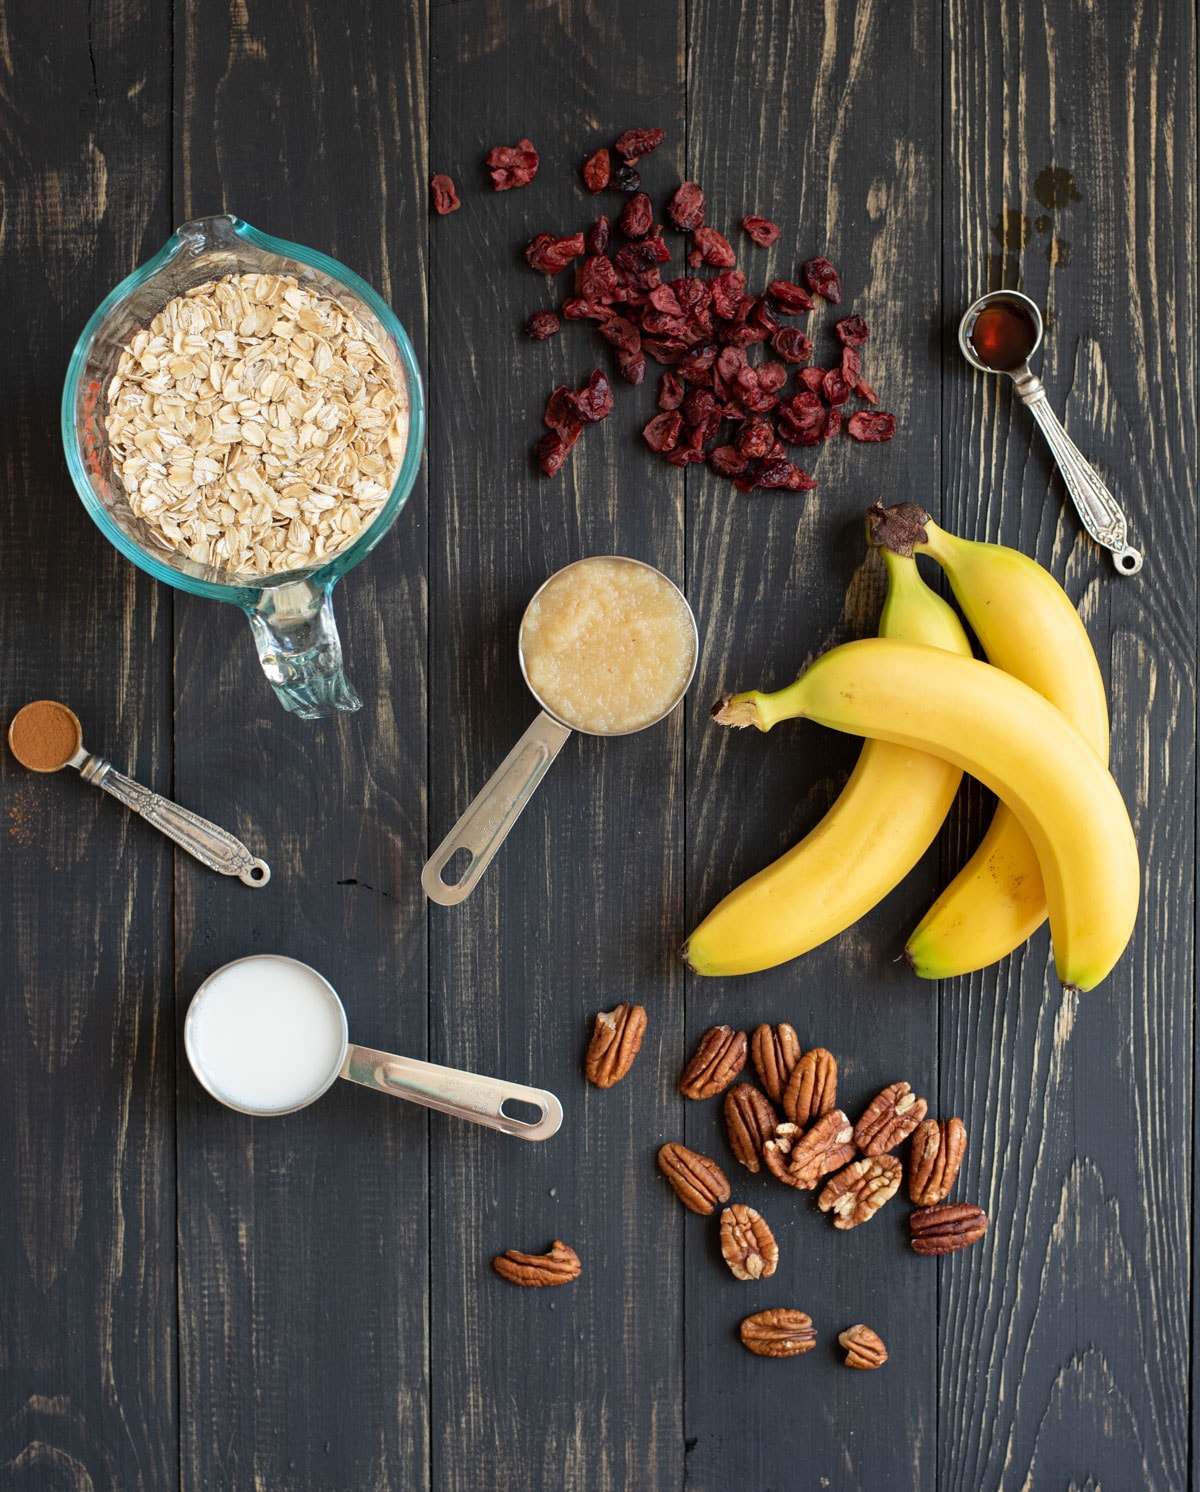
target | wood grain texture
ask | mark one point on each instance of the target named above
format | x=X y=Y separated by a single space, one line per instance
x=578 y=1387
x=87 y=1249
x=846 y=158
x=190 y=1298
x=304 y=1244
x=1070 y=171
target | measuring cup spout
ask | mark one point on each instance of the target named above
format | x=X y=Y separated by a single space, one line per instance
x=299 y=649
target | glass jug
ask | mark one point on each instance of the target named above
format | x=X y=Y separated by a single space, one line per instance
x=290 y=613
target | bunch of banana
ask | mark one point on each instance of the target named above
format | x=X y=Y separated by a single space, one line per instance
x=1063 y=842
x=883 y=821
x=1027 y=626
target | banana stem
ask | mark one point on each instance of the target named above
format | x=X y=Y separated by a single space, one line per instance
x=897 y=529
x=760 y=710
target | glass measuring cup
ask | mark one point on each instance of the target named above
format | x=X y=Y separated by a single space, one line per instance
x=268 y=1035
x=999 y=333
x=484 y=826
x=290 y=614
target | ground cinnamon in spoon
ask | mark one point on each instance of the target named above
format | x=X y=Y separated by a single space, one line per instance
x=44 y=736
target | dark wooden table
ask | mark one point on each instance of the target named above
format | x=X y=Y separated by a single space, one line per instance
x=189 y=1298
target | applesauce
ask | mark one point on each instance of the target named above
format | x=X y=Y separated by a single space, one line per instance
x=608 y=645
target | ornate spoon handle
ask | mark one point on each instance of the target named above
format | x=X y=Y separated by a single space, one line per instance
x=211 y=845
x=1097 y=507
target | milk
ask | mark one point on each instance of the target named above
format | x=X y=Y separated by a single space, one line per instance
x=266 y=1034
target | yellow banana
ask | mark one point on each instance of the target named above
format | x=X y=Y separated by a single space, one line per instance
x=1018 y=744
x=883 y=821
x=1027 y=626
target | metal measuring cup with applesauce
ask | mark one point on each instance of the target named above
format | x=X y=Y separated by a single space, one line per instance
x=608 y=646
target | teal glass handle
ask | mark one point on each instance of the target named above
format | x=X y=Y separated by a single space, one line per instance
x=300 y=650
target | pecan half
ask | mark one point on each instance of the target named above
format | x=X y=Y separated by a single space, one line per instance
x=751 y=1121
x=776 y=1152
x=778 y=1333
x=857 y=1193
x=864 y=1347
x=946 y=1228
x=938 y=1147
x=812 y=1087
x=821 y=1149
x=890 y=1117
x=774 y=1050
x=558 y=1267
x=616 y=1041
x=719 y=1058
x=699 y=1183
x=747 y=1243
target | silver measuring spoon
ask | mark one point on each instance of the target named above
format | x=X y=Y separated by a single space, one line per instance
x=46 y=736
x=999 y=333
x=267 y=1035
x=484 y=826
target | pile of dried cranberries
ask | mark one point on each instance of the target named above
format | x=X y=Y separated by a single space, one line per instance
x=699 y=330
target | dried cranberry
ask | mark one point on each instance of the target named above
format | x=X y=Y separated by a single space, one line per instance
x=596 y=239
x=771 y=376
x=836 y=389
x=559 y=414
x=552 y=255
x=780 y=473
x=627 y=179
x=813 y=379
x=871 y=427
x=670 y=391
x=632 y=366
x=635 y=257
x=694 y=296
x=578 y=308
x=445 y=198
x=865 y=391
x=596 y=278
x=713 y=249
x=700 y=434
x=596 y=171
x=550 y=452
x=594 y=401
x=851 y=365
x=637 y=216
x=635 y=143
x=685 y=455
x=659 y=324
x=663 y=431
x=686 y=207
x=622 y=333
x=790 y=298
x=542 y=324
x=754 y=439
x=726 y=462
x=851 y=331
x=748 y=481
x=802 y=420
x=698 y=405
x=664 y=350
x=662 y=254
x=512 y=165
x=761 y=230
x=726 y=292
x=792 y=345
x=822 y=279
x=696 y=364
x=833 y=424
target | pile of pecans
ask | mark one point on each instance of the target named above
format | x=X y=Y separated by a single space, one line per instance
x=814 y=1144
x=699 y=329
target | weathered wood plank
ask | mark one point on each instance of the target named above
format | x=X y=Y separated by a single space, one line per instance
x=803 y=115
x=1070 y=171
x=87 y=1229
x=304 y=1243
x=578 y=1387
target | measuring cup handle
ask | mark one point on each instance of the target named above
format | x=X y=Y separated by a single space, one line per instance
x=1097 y=507
x=464 y=1094
x=299 y=649
x=484 y=827
x=206 y=841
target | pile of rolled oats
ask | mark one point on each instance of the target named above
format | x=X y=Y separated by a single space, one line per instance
x=256 y=425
